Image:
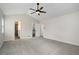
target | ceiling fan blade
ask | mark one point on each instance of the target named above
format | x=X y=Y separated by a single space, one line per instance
x=32 y=9
x=41 y=8
x=37 y=6
x=33 y=12
x=42 y=11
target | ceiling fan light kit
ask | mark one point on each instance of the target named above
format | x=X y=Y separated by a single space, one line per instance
x=38 y=11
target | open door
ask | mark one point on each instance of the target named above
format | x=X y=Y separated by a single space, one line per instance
x=36 y=30
x=17 y=29
x=33 y=31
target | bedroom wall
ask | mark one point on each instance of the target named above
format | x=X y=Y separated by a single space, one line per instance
x=1 y=28
x=26 y=26
x=63 y=28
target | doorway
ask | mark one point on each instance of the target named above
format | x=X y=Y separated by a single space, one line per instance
x=33 y=31
x=36 y=30
x=17 y=29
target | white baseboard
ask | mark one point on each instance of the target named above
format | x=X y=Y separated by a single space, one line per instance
x=68 y=42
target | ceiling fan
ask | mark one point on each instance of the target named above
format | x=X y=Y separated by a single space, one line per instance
x=38 y=10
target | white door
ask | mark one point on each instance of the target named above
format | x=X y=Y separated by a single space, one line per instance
x=42 y=30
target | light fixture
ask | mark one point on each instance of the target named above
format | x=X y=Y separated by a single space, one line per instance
x=38 y=10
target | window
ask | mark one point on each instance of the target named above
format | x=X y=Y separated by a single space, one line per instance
x=2 y=25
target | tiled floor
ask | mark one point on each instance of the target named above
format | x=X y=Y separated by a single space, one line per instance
x=38 y=46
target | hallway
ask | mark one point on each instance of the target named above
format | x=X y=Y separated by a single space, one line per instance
x=38 y=46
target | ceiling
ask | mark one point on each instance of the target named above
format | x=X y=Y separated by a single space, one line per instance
x=52 y=9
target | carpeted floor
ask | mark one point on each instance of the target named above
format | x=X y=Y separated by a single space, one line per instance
x=38 y=46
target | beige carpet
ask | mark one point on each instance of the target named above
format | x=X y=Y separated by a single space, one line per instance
x=38 y=46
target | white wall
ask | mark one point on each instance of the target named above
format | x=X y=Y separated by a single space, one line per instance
x=63 y=28
x=26 y=26
x=1 y=29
